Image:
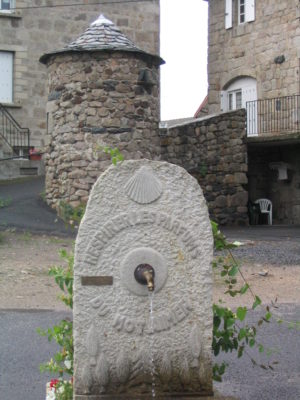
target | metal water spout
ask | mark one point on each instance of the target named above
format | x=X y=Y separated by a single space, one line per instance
x=144 y=274
x=150 y=280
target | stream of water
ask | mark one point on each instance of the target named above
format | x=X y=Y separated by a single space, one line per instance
x=152 y=366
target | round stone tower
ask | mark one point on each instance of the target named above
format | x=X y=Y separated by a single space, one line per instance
x=103 y=92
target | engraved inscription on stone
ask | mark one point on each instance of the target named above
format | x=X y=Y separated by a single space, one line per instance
x=135 y=219
x=143 y=213
x=160 y=322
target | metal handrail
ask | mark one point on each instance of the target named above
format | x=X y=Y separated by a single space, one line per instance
x=273 y=116
x=13 y=134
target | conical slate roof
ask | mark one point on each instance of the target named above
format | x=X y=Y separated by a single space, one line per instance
x=102 y=35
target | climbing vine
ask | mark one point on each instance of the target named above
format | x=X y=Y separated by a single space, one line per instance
x=228 y=334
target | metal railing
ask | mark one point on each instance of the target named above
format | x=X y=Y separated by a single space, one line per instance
x=16 y=137
x=273 y=116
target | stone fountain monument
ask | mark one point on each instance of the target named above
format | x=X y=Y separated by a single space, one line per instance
x=143 y=286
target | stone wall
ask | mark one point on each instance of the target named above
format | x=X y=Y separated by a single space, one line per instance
x=250 y=49
x=95 y=101
x=29 y=33
x=214 y=150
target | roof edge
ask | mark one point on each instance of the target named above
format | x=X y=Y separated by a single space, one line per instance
x=157 y=59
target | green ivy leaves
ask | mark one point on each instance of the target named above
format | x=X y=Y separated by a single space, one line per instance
x=228 y=335
x=62 y=334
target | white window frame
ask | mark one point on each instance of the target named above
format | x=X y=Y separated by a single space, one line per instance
x=234 y=99
x=7 y=77
x=247 y=14
x=228 y=14
x=241 y=91
x=12 y=5
x=242 y=11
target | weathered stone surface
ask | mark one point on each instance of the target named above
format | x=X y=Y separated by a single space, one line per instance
x=250 y=49
x=99 y=123
x=217 y=161
x=115 y=336
x=38 y=32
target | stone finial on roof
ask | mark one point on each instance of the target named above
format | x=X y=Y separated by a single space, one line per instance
x=101 y=20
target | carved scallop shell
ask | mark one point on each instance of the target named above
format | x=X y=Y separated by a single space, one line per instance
x=143 y=187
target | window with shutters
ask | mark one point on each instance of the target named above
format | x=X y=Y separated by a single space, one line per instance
x=7 y=5
x=239 y=12
x=6 y=76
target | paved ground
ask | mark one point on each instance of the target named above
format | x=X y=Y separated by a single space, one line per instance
x=263 y=232
x=22 y=350
x=26 y=210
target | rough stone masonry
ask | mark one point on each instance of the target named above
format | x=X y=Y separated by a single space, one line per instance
x=103 y=91
x=154 y=213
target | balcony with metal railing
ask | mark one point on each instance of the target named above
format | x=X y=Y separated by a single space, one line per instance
x=273 y=117
x=12 y=135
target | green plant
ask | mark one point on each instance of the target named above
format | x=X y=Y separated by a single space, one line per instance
x=228 y=334
x=43 y=196
x=203 y=170
x=62 y=334
x=115 y=154
x=25 y=236
x=71 y=215
x=5 y=202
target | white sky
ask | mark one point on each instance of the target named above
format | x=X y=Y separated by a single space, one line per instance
x=183 y=45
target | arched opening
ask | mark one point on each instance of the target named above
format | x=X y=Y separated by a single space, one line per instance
x=242 y=93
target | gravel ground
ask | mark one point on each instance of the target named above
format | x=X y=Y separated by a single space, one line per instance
x=265 y=252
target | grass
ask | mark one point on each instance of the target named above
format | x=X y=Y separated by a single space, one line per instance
x=56 y=240
x=26 y=236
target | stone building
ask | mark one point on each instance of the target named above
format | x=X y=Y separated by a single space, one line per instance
x=29 y=28
x=103 y=92
x=253 y=63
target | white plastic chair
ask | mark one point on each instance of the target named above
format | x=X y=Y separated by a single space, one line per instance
x=265 y=208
